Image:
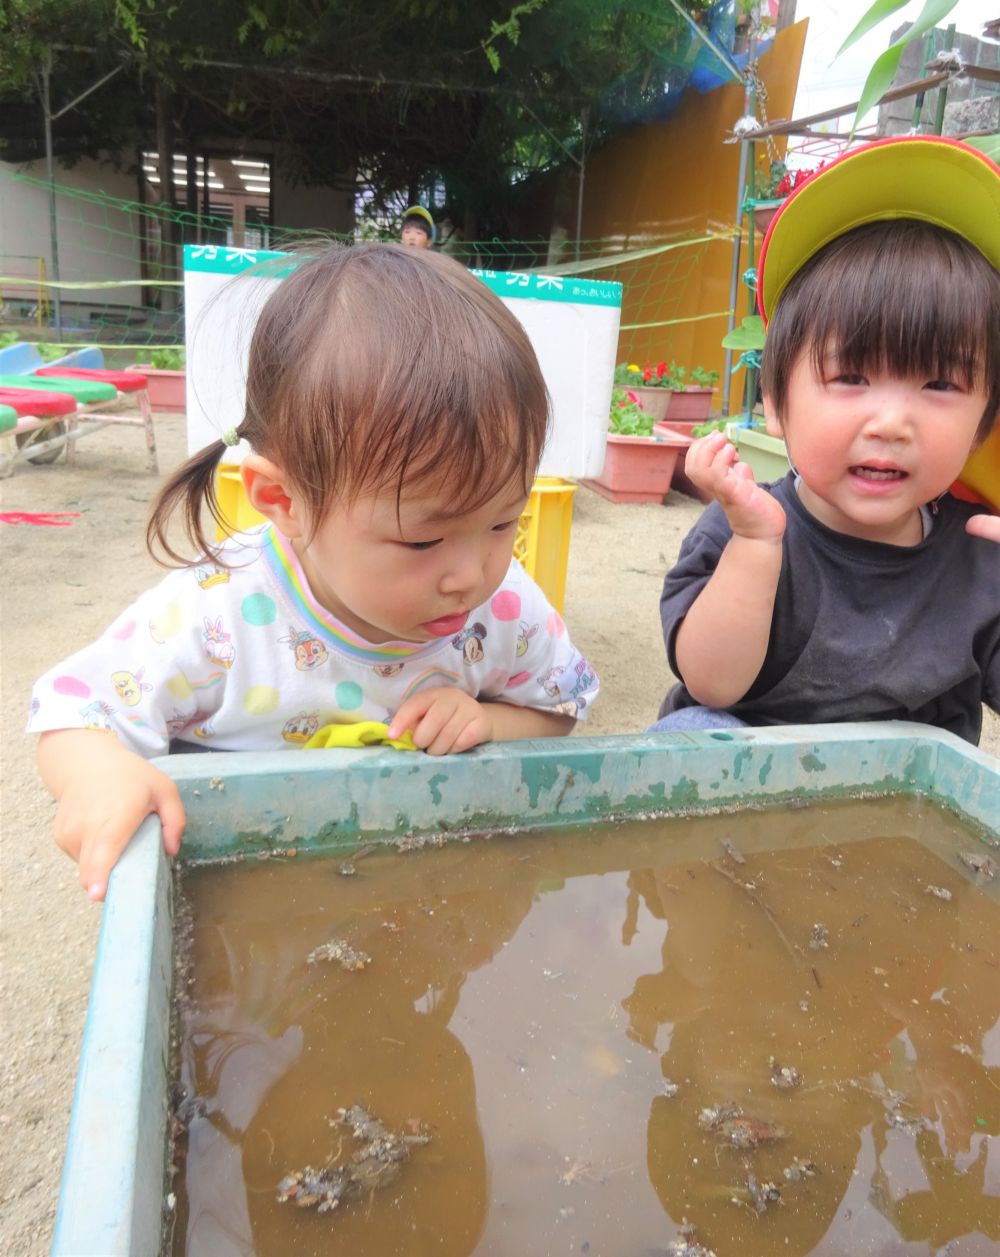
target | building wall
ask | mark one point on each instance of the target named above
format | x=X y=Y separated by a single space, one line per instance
x=680 y=178
x=96 y=241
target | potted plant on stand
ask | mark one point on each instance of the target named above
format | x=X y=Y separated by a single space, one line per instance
x=651 y=386
x=638 y=463
x=690 y=396
x=772 y=188
x=166 y=379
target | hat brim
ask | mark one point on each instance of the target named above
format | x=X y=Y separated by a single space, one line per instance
x=931 y=178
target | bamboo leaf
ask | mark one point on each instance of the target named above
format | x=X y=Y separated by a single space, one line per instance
x=879 y=11
x=884 y=70
x=988 y=144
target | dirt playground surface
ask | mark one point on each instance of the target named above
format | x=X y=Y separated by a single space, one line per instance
x=61 y=587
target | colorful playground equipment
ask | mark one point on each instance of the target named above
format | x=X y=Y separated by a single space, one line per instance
x=45 y=408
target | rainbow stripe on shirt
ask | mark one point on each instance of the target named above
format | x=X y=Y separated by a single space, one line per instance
x=284 y=566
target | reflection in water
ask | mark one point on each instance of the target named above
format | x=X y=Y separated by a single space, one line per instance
x=559 y=1010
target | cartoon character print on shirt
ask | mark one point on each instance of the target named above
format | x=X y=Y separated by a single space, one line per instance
x=309 y=651
x=580 y=678
x=387 y=669
x=129 y=686
x=204 y=730
x=470 y=643
x=301 y=727
x=177 y=721
x=211 y=574
x=218 y=645
x=525 y=632
x=97 y=715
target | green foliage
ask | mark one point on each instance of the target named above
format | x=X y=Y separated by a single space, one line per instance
x=509 y=30
x=627 y=417
x=884 y=69
x=700 y=378
x=988 y=144
x=50 y=352
x=8 y=338
x=751 y=334
x=392 y=93
x=713 y=425
x=167 y=359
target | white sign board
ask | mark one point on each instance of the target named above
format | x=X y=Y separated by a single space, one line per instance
x=572 y=324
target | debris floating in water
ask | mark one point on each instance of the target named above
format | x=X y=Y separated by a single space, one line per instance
x=376 y=1163
x=733 y=1127
x=348 y=957
x=784 y=1077
x=763 y=1194
x=732 y=851
x=799 y=1170
x=939 y=892
x=686 y=1244
x=979 y=863
x=819 y=939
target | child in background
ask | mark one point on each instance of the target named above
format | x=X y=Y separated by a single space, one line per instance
x=857 y=588
x=396 y=414
x=418 y=231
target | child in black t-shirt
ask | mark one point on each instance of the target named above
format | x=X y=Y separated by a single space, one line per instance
x=857 y=588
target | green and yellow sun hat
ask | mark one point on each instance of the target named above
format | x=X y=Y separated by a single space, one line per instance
x=935 y=179
x=418 y=211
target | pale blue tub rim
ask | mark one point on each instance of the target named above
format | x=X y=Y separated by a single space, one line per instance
x=111 y=1194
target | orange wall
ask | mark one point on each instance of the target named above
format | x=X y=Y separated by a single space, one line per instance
x=679 y=178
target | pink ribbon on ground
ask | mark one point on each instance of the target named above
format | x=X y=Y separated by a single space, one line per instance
x=58 y=519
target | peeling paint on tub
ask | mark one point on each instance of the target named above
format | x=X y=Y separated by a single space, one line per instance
x=812 y=763
x=432 y=785
x=765 y=770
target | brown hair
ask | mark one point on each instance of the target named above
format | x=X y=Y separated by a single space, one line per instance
x=899 y=295
x=374 y=365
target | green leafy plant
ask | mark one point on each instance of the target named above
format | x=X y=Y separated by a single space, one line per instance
x=883 y=70
x=8 y=338
x=50 y=352
x=700 y=378
x=713 y=425
x=750 y=335
x=627 y=417
x=167 y=359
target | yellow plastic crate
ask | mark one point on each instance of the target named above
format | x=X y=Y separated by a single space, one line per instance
x=541 y=542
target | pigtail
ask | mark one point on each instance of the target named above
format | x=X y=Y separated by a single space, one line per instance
x=187 y=493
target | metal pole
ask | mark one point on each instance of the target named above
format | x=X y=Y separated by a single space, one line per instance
x=580 y=182
x=53 y=232
x=734 y=276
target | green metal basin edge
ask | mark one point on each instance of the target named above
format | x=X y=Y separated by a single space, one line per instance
x=271 y=803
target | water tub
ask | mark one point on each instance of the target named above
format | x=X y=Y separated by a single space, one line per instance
x=113 y=1183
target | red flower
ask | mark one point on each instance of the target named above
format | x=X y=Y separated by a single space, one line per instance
x=661 y=370
x=647 y=373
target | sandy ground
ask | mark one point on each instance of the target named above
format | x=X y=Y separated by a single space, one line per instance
x=61 y=586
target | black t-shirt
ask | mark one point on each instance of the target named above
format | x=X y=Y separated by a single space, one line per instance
x=861 y=630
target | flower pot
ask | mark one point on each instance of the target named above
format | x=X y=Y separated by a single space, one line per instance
x=691 y=404
x=638 y=468
x=654 y=401
x=764 y=213
x=765 y=455
x=167 y=389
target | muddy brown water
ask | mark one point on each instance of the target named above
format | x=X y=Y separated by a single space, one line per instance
x=558 y=1012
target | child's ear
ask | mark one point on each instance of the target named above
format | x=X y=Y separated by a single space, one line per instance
x=270 y=493
x=774 y=425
